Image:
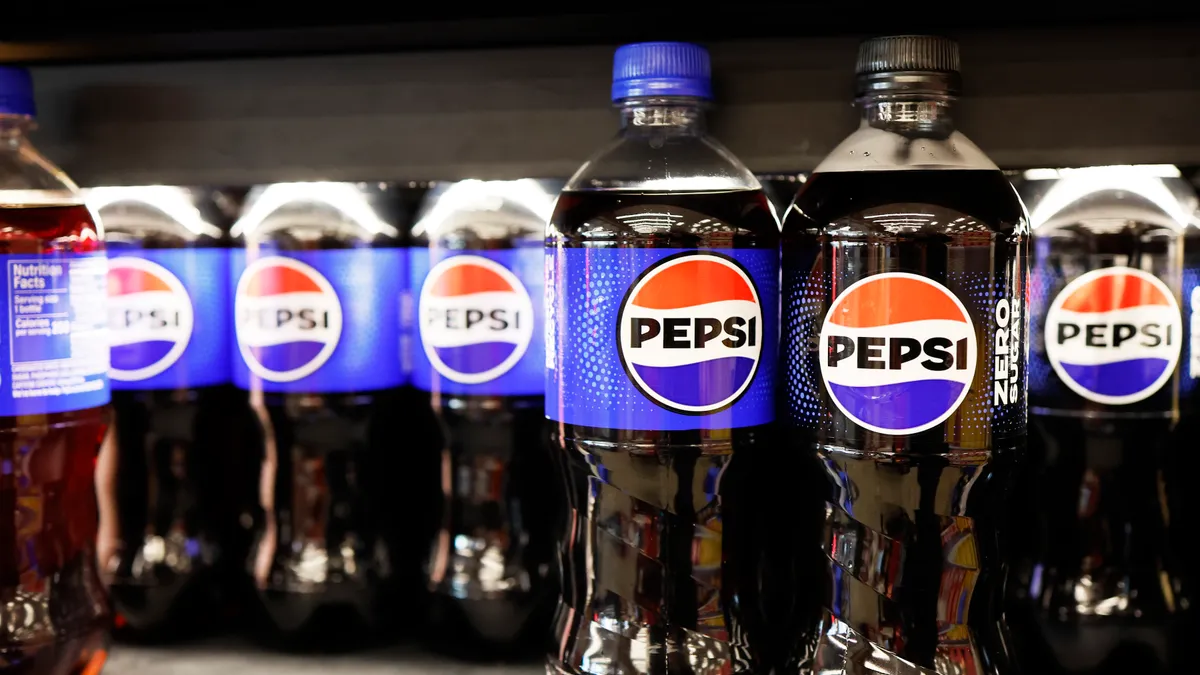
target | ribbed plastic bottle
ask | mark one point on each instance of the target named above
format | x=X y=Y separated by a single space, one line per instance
x=318 y=282
x=904 y=371
x=478 y=286
x=173 y=502
x=1104 y=571
x=54 y=397
x=661 y=335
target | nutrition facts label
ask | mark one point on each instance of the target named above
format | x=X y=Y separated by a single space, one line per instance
x=56 y=333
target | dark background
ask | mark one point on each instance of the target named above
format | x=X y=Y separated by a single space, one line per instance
x=221 y=93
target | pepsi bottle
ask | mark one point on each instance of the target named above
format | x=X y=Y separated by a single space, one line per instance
x=477 y=259
x=661 y=333
x=1104 y=580
x=318 y=281
x=173 y=496
x=54 y=398
x=904 y=271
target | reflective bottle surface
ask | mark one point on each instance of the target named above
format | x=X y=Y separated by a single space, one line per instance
x=780 y=189
x=478 y=285
x=1101 y=581
x=904 y=266
x=53 y=405
x=176 y=498
x=317 y=300
x=662 y=276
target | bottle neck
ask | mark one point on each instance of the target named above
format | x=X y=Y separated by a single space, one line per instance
x=909 y=115
x=678 y=115
x=13 y=129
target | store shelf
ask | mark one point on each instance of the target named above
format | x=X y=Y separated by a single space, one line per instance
x=222 y=656
x=227 y=30
x=1035 y=97
x=1055 y=95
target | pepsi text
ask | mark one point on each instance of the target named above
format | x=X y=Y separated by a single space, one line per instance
x=1113 y=335
x=168 y=318
x=693 y=337
x=476 y=321
x=323 y=321
x=900 y=353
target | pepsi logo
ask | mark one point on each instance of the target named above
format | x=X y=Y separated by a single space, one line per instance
x=690 y=332
x=898 y=353
x=476 y=319
x=150 y=318
x=289 y=319
x=1113 y=335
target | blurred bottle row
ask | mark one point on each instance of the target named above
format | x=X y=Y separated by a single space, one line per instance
x=375 y=493
x=329 y=404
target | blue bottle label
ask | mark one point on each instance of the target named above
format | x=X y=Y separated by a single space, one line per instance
x=168 y=318
x=319 y=321
x=1191 y=325
x=56 y=333
x=479 y=321
x=661 y=339
x=1113 y=336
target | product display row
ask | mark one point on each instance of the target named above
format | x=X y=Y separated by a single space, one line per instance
x=904 y=413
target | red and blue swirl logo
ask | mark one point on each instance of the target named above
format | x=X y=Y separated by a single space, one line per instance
x=289 y=319
x=150 y=318
x=1113 y=335
x=690 y=332
x=476 y=319
x=897 y=353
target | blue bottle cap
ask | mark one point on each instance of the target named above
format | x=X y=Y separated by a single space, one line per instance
x=16 y=92
x=661 y=69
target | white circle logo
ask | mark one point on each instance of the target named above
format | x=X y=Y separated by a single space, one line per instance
x=690 y=332
x=475 y=319
x=288 y=319
x=1113 y=335
x=897 y=353
x=150 y=318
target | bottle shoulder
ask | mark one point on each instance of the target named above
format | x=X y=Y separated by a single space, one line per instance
x=875 y=149
x=28 y=178
x=315 y=216
x=601 y=218
x=663 y=162
x=475 y=214
x=155 y=216
x=907 y=202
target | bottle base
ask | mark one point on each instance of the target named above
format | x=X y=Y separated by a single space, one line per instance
x=486 y=630
x=161 y=614
x=295 y=625
x=79 y=655
x=555 y=668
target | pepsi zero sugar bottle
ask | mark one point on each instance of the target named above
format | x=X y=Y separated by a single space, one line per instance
x=171 y=533
x=1102 y=581
x=904 y=269
x=53 y=405
x=478 y=279
x=317 y=299
x=661 y=324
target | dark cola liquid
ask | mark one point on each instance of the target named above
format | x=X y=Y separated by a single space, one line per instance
x=184 y=477
x=666 y=540
x=335 y=474
x=51 y=600
x=905 y=549
x=179 y=472
x=1100 y=580
x=490 y=571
